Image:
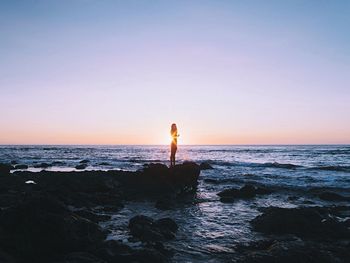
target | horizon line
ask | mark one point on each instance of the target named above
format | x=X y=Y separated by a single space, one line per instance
x=261 y=144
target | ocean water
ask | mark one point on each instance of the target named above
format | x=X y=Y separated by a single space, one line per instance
x=209 y=230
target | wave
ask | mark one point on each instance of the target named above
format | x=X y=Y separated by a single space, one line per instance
x=268 y=164
x=282 y=165
x=337 y=168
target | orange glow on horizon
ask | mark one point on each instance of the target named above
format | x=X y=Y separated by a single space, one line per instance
x=164 y=138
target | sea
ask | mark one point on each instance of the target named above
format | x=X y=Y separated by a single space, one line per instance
x=209 y=230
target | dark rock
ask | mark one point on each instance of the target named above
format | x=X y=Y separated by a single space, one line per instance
x=5 y=169
x=42 y=165
x=156 y=166
x=92 y=216
x=146 y=229
x=41 y=228
x=21 y=166
x=14 y=162
x=158 y=179
x=292 y=250
x=331 y=196
x=149 y=255
x=167 y=223
x=115 y=251
x=165 y=204
x=82 y=257
x=247 y=191
x=103 y=163
x=80 y=166
x=84 y=161
x=205 y=166
x=304 y=222
x=6 y=258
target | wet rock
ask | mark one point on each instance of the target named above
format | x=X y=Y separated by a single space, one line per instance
x=21 y=166
x=156 y=166
x=104 y=163
x=115 y=251
x=158 y=179
x=14 y=162
x=304 y=222
x=42 y=165
x=146 y=229
x=84 y=161
x=80 y=166
x=331 y=196
x=150 y=255
x=292 y=250
x=205 y=166
x=165 y=204
x=247 y=191
x=82 y=257
x=41 y=228
x=5 y=169
x=167 y=224
x=92 y=216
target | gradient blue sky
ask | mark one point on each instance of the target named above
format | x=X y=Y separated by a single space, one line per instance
x=227 y=72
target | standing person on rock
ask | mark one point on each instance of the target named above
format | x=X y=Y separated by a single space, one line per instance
x=173 y=145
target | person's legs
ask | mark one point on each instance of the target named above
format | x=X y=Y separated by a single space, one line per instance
x=172 y=159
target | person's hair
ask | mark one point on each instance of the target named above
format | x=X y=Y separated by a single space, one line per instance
x=173 y=128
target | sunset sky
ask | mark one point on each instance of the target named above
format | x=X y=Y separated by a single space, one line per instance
x=227 y=72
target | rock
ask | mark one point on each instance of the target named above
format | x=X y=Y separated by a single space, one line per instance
x=165 y=204
x=146 y=229
x=82 y=257
x=80 y=166
x=84 y=161
x=303 y=222
x=92 y=216
x=21 y=166
x=42 y=165
x=41 y=228
x=5 y=169
x=155 y=166
x=158 y=179
x=104 y=163
x=290 y=250
x=115 y=251
x=247 y=191
x=331 y=196
x=205 y=166
x=149 y=255
x=14 y=162
x=167 y=224
x=6 y=258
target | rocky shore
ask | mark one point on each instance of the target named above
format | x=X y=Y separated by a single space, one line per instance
x=56 y=217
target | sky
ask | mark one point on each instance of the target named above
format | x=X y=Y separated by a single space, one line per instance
x=226 y=72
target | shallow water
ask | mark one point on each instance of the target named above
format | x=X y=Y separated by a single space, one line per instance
x=208 y=229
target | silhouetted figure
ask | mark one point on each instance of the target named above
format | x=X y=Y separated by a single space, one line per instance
x=173 y=145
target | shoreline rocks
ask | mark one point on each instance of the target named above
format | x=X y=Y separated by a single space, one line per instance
x=246 y=192
x=314 y=222
x=56 y=218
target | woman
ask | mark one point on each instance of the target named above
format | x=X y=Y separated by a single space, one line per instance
x=173 y=146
